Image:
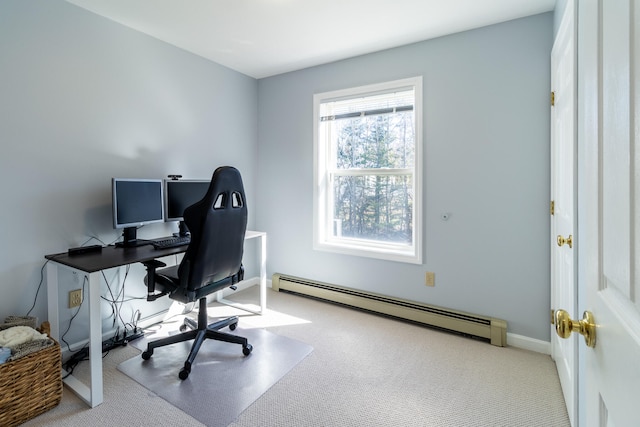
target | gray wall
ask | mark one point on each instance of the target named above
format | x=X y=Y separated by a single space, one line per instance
x=486 y=136
x=83 y=99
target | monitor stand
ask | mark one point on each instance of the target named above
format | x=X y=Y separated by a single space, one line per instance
x=183 y=231
x=130 y=239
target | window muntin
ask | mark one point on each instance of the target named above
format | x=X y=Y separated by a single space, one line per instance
x=367 y=165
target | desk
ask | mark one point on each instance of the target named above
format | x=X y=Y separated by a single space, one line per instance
x=93 y=264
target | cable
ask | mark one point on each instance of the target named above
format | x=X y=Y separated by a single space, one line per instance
x=124 y=299
x=74 y=360
x=116 y=301
x=135 y=318
x=35 y=299
x=91 y=237
x=39 y=286
x=116 y=305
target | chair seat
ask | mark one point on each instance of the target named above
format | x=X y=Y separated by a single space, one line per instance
x=167 y=279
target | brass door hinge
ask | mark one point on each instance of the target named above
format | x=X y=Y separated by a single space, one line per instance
x=553 y=99
x=552 y=207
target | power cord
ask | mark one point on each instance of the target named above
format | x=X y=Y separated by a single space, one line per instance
x=130 y=330
x=92 y=237
x=74 y=360
x=35 y=299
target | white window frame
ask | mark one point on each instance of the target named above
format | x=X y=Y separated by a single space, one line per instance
x=323 y=238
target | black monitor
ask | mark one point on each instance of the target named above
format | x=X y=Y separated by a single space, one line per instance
x=180 y=194
x=136 y=202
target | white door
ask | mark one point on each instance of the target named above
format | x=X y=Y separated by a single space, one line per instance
x=609 y=209
x=563 y=160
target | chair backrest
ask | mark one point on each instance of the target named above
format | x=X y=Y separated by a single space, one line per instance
x=217 y=224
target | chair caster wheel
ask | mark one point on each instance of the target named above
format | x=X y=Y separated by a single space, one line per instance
x=184 y=374
x=246 y=350
x=233 y=326
x=183 y=328
x=146 y=355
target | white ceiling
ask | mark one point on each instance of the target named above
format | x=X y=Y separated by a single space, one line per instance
x=262 y=38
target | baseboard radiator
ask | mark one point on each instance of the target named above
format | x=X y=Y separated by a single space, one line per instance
x=488 y=328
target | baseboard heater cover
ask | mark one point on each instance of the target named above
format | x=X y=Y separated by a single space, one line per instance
x=489 y=328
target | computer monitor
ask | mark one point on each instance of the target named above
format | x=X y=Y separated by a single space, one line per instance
x=136 y=202
x=180 y=194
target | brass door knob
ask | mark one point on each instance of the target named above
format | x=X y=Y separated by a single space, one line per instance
x=586 y=327
x=569 y=240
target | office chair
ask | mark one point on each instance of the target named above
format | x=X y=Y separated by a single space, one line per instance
x=212 y=262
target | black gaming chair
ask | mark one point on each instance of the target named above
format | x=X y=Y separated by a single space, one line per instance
x=213 y=261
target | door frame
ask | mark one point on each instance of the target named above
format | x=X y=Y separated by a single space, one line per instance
x=564 y=295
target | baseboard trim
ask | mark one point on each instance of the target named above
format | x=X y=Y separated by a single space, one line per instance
x=527 y=343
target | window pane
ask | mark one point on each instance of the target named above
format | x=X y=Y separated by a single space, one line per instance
x=373 y=207
x=380 y=141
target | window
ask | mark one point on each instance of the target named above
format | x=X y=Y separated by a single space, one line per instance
x=367 y=176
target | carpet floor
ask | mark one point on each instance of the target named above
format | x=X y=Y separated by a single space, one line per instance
x=364 y=371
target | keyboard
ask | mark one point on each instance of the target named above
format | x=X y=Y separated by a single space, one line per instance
x=171 y=242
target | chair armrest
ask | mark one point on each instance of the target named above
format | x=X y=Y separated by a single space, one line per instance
x=152 y=266
x=239 y=276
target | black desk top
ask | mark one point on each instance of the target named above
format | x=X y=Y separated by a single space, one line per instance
x=110 y=257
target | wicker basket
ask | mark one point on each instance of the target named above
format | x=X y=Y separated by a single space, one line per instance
x=30 y=385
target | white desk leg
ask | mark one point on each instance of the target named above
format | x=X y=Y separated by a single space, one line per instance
x=263 y=273
x=95 y=340
x=93 y=395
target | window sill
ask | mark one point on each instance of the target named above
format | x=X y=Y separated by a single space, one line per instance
x=408 y=256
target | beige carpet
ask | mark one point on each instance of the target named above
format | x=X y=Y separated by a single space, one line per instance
x=365 y=370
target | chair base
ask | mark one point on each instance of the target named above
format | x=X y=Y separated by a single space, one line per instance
x=200 y=332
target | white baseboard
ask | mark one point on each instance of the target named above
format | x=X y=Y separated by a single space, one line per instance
x=526 y=343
